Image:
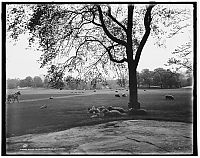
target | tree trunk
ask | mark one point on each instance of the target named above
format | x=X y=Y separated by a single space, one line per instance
x=133 y=93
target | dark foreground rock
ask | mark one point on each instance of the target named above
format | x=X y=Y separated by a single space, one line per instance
x=119 y=137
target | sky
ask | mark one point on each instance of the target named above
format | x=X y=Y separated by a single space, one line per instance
x=22 y=62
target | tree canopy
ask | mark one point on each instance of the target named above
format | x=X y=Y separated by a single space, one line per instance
x=88 y=35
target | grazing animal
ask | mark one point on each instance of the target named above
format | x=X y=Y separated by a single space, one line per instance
x=43 y=106
x=124 y=95
x=93 y=110
x=132 y=111
x=13 y=97
x=101 y=108
x=144 y=89
x=97 y=112
x=169 y=97
x=127 y=90
x=116 y=91
x=117 y=95
x=103 y=112
x=51 y=97
x=95 y=90
x=112 y=113
x=121 y=110
x=94 y=116
x=10 y=97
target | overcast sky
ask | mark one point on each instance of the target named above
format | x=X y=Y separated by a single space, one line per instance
x=22 y=62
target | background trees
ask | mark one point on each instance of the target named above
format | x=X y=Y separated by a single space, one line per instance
x=12 y=83
x=158 y=78
x=161 y=78
x=27 y=82
x=166 y=78
x=122 y=74
x=37 y=81
x=146 y=77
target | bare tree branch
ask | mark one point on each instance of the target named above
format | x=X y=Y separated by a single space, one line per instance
x=147 y=23
x=106 y=30
x=115 y=20
x=177 y=30
x=108 y=49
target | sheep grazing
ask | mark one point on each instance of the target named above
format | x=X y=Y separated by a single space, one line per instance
x=124 y=95
x=93 y=110
x=112 y=113
x=121 y=110
x=169 y=97
x=117 y=95
x=43 y=106
x=94 y=116
x=133 y=111
x=103 y=112
x=116 y=91
x=51 y=97
x=101 y=108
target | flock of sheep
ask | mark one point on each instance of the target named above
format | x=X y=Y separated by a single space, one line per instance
x=100 y=112
x=106 y=112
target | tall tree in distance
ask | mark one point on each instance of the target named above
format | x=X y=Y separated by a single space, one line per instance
x=37 y=81
x=94 y=36
x=146 y=77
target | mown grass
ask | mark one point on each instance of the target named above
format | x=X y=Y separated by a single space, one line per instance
x=64 y=113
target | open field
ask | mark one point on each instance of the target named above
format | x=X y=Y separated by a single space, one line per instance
x=70 y=109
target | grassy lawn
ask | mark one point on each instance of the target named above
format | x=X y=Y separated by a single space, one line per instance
x=64 y=113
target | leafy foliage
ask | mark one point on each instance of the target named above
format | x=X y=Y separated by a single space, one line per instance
x=166 y=78
x=146 y=77
x=182 y=57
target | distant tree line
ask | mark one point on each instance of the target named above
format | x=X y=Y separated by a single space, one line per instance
x=158 y=78
x=68 y=82
x=27 y=82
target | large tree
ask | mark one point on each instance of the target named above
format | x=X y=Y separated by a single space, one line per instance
x=94 y=36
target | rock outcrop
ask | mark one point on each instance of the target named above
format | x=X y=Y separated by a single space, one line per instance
x=119 y=137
